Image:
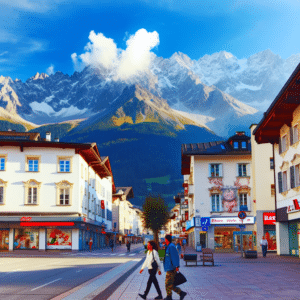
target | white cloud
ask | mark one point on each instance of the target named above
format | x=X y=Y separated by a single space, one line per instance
x=137 y=56
x=50 y=70
x=102 y=51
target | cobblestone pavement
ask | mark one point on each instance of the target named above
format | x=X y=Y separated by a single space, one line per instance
x=232 y=277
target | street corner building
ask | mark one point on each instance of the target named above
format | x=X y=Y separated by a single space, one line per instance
x=279 y=128
x=218 y=184
x=53 y=195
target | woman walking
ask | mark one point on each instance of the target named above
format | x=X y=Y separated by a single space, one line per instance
x=152 y=257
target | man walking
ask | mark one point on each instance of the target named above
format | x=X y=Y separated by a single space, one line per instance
x=171 y=267
x=264 y=246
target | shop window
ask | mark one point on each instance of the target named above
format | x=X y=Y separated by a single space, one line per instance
x=26 y=238
x=3 y=162
x=59 y=239
x=243 y=201
x=64 y=164
x=64 y=193
x=32 y=192
x=32 y=163
x=4 y=238
x=216 y=203
x=215 y=170
x=3 y=185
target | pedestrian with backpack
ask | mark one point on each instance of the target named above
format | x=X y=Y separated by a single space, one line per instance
x=153 y=264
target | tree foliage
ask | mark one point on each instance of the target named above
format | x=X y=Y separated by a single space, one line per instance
x=155 y=214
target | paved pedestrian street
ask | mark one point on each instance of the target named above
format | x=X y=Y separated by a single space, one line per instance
x=232 y=277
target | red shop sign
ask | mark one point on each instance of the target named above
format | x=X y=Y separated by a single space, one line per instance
x=25 y=219
x=269 y=218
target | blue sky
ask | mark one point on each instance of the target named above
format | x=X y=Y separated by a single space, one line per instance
x=40 y=36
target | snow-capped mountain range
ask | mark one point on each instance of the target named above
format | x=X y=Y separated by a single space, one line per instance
x=217 y=90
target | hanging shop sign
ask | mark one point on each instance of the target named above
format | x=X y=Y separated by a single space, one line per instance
x=233 y=220
x=269 y=218
x=186 y=189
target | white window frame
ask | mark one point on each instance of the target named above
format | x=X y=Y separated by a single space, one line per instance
x=244 y=170
x=33 y=159
x=30 y=186
x=64 y=159
x=3 y=160
x=216 y=201
x=63 y=185
x=243 y=200
x=3 y=185
x=215 y=170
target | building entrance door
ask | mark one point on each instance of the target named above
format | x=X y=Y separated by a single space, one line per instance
x=247 y=239
x=203 y=240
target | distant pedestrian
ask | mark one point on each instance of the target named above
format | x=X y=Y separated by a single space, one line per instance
x=171 y=267
x=111 y=245
x=184 y=244
x=91 y=244
x=264 y=246
x=128 y=246
x=152 y=257
x=178 y=247
x=120 y=242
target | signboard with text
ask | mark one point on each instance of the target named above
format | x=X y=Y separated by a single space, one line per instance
x=269 y=218
x=233 y=220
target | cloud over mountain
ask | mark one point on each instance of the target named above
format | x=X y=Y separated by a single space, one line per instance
x=102 y=51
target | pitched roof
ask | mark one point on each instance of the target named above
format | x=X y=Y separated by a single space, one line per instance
x=214 y=148
x=89 y=152
x=127 y=191
x=280 y=111
x=22 y=136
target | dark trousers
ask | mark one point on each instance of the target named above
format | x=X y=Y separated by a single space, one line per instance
x=264 y=250
x=152 y=278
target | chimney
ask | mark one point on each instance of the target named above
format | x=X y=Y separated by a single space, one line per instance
x=240 y=132
x=48 y=136
x=56 y=140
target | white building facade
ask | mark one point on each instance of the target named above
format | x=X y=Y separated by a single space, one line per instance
x=53 y=195
x=220 y=187
x=280 y=127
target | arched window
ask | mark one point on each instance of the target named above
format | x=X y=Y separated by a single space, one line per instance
x=32 y=192
x=64 y=193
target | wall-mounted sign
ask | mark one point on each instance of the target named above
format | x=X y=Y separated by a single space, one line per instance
x=205 y=222
x=233 y=220
x=269 y=218
x=189 y=224
x=293 y=207
x=25 y=219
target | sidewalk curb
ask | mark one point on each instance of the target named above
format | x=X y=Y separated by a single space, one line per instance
x=99 y=289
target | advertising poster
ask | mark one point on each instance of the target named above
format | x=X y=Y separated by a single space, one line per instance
x=59 y=239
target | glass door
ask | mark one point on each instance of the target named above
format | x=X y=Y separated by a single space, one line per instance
x=247 y=239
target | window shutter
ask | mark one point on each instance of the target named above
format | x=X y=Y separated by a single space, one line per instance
x=221 y=170
x=291 y=136
x=292 y=172
x=280 y=146
x=280 y=182
x=248 y=169
x=237 y=170
x=209 y=170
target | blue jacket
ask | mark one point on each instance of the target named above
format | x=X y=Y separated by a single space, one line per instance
x=171 y=261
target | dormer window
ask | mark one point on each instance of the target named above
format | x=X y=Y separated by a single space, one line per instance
x=235 y=145
x=244 y=145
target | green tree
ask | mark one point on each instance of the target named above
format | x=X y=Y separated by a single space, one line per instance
x=155 y=215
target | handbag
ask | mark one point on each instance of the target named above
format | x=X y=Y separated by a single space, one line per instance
x=179 y=279
x=154 y=263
